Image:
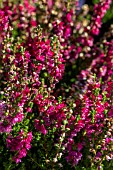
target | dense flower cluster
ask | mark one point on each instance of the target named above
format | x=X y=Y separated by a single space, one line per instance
x=100 y=10
x=19 y=144
x=56 y=85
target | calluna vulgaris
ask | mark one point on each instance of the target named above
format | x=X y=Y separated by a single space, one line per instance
x=56 y=85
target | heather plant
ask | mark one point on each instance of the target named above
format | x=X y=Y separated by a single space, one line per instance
x=56 y=85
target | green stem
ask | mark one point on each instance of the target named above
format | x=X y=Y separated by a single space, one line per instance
x=34 y=161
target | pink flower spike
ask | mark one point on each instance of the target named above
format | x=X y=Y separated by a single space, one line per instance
x=43 y=129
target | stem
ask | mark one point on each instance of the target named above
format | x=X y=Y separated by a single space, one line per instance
x=34 y=161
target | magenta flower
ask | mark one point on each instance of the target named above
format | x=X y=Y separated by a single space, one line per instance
x=40 y=127
x=43 y=129
x=19 y=144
